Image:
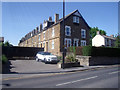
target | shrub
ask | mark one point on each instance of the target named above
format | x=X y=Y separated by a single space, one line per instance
x=70 y=59
x=59 y=57
x=4 y=59
x=87 y=50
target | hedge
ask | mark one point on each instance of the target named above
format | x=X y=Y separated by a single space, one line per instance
x=87 y=50
x=97 y=51
x=105 y=51
x=4 y=59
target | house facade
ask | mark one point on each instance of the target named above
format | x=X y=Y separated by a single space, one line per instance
x=50 y=35
x=103 y=40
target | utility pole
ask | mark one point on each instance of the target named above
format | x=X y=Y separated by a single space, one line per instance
x=63 y=33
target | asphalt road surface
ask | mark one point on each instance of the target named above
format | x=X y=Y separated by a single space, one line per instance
x=100 y=78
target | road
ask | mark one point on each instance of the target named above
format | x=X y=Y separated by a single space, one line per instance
x=97 y=78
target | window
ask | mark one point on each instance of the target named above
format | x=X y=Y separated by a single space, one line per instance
x=75 y=19
x=52 y=44
x=44 y=35
x=53 y=32
x=67 y=31
x=76 y=42
x=32 y=40
x=109 y=42
x=105 y=42
x=83 y=33
x=39 y=37
x=83 y=42
x=39 y=44
x=43 y=44
x=35 y=39
x=67 y=42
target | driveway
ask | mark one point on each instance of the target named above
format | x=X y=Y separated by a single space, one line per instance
x=31 y=66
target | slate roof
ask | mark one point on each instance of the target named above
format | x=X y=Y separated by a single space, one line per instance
x=60 y=20
x=109 y=37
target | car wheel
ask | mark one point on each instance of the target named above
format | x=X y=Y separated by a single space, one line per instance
x=45 y=60
x=37 y=59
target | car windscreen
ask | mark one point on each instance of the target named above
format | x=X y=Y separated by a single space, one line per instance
x=46 y=53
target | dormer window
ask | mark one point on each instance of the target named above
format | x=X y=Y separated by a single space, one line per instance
x=75 y=19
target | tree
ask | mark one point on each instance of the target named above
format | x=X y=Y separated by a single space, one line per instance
x=117 y=42
x=1 y=44
x=7 y=43
x=93 y=32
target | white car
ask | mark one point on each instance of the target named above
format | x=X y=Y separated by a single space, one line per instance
x=46 y=57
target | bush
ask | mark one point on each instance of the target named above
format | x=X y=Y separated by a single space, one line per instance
x=4 y=59
x=59 y=57
x=70 y=59
x=87 y=50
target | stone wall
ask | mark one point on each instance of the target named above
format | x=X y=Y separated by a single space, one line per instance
x=89 y=61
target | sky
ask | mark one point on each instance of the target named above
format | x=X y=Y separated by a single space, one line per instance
x=20 y=18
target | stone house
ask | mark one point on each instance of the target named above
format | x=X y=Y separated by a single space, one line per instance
x=50 y=35
x=1 y=39
x=103 y=40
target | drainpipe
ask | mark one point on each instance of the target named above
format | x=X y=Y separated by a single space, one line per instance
x=63 y=33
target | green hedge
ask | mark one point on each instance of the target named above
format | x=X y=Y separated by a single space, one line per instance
x=4 y=59
x=100 y=51
x=105 y=51
x=87 y=50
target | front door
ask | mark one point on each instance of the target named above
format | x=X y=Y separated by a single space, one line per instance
x=46 y=46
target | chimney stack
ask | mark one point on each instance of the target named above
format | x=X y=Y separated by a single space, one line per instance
x=98 y=32
x=40 y=27
x=56 y=18
x=37 y=28
x=50 y=19
x=112 y=36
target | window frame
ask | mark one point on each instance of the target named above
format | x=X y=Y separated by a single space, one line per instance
x=83 y=42
x=77 y=40
x=76 y=19
x=66 y=30
x=44 y=35
x=39 y=37
x=83 y=35
x=52 y=44
x=53 y=32
x=68 y=40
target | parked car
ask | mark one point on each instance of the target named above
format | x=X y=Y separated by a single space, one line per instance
x=46 y=57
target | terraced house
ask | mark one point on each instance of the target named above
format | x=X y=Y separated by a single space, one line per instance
x=50 y=34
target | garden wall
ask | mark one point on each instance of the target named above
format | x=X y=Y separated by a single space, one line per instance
x=99 y=60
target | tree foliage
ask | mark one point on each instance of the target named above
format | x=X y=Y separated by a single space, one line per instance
x=93 y=32
x=117 y=42
x=7 y=43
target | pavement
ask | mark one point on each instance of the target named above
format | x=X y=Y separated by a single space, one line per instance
x=31 y=68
